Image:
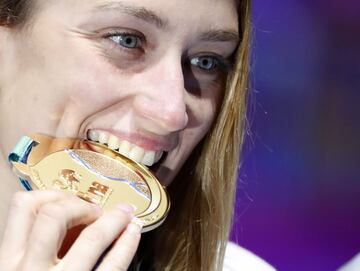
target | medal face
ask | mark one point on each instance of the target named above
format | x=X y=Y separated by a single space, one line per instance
x=96 y=174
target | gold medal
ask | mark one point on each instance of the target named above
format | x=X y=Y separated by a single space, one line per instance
x=94 y=173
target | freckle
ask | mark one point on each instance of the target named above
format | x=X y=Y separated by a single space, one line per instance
x=35 y=98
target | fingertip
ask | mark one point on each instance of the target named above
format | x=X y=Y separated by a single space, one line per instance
x=138 y=221
x=133 y=229
x=127 y=208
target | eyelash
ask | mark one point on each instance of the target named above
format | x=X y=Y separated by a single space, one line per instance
x=141 y=39
x=221 y=63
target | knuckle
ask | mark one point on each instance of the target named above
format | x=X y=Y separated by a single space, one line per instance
x=53 y=213
x=55 y=193
x=52 y=210
x=41 y=244
x=94 y=235
x=22 y=199
x=81 y=203
x=72 y=197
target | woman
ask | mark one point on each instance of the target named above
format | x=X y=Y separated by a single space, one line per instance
x=168 y=77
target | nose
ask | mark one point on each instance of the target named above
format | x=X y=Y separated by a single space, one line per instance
x=161 y=100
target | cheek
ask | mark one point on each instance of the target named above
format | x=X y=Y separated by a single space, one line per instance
x=75 y=71
x=201 y=116
x=68 y=94
x=93 y=87
x=202 y=110
x=90 y=89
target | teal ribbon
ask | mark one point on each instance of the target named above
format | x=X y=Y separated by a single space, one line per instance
x=20 y=154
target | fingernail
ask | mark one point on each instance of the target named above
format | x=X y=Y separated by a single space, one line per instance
x=133 y=228
x=138 y=221
x=128 y=208
x=134 y=207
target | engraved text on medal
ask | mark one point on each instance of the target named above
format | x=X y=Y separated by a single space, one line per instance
x=69 y=180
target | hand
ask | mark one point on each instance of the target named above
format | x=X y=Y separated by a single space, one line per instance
x=38 y=222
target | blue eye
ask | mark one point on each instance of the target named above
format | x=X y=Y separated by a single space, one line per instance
x=208 y=63
x=126 y=40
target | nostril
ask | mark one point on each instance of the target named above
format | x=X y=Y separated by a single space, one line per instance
x=186 y=120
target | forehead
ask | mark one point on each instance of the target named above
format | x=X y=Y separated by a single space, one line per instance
x=218 y=14
x=205 y=10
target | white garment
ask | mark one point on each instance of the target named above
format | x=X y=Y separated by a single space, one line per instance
x=353 y=265
x=240 y=259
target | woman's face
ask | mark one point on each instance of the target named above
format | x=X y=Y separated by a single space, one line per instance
x=145 y=77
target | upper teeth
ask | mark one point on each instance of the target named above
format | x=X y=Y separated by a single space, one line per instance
x=130 y=150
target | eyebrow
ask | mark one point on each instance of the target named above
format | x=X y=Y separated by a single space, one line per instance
x=138 y=12
x=161 y=23
x=221 y=36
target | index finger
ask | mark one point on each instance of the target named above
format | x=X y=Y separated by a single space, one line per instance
x=22 y=211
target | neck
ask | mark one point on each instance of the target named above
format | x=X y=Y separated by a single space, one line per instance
x=9 y=185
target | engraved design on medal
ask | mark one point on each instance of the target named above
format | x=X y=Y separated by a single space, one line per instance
x=151 y=218
x=97 y=194
x=112 y=170
x=69 y=180
x=36 y=178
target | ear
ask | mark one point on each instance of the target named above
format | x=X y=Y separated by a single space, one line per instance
x=8 y=38
x=1 y=36
x=4 y=44
x=4 y=32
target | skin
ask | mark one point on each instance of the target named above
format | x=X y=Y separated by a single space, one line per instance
x=67 y=73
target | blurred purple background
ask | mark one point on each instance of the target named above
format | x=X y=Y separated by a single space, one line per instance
x=298 y=202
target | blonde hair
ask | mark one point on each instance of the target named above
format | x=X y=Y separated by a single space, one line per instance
x=195 y=234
